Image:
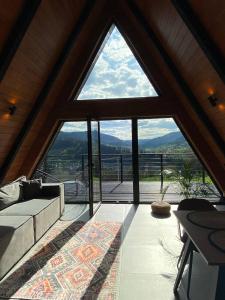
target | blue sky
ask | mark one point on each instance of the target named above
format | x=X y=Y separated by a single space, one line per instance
x=147 y=128
x=116 y=74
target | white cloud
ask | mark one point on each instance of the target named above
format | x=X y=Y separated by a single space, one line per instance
x=74 y=126
x=116 y=73
x=118 y=128
x=151 y=133
x=147 y=128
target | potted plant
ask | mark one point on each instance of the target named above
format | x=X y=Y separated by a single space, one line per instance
x=161 y=207
x=185 y=184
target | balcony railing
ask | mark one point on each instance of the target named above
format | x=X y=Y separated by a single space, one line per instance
x=118 y=167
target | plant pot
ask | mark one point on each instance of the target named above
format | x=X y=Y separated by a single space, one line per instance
x=161 y=208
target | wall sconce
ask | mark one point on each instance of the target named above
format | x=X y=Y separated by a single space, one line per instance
x=213 y=100
x=12 y=109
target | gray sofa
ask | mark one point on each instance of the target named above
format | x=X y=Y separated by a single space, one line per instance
x=25 y=216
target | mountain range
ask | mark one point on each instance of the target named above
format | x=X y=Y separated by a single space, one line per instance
x=71 y=143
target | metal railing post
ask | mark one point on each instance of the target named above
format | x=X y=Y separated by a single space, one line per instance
x=161 y=172
x=82 y=167
x=121 y=168
x=45 y=169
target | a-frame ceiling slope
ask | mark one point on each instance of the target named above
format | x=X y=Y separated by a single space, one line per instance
x=43 y=45
x=32 y=65
x=187 y=55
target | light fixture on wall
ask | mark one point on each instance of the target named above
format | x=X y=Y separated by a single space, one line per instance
x=213 y=100
x=12 y=109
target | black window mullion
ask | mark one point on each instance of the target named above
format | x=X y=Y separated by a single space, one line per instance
x=135 y=161
x=90 y=163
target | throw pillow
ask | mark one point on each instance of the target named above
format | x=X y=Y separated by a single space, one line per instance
x=31 y=189
x=9 y=194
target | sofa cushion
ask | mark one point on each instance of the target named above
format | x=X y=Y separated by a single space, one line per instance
x=31 y=189
x=11 y=222
x=44 y=211
x=27 y=208
x=10 y=194
x=16 y=238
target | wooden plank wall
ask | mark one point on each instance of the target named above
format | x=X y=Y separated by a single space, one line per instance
x=212 y=16
x=9 y=12
x=32 y=64
x=187 y=54
x=55 y=98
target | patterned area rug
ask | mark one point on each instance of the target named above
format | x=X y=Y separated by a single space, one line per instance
x=72 y=261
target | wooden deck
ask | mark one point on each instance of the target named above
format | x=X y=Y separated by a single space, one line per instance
x=149 y=191
x=119 y=192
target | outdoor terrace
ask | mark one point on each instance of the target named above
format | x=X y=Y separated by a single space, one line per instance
x=116 y=176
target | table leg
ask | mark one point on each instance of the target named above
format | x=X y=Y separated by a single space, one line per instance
x=186 y=252
x=220 y=288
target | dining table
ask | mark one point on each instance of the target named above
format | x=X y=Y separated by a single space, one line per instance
x=205 y=233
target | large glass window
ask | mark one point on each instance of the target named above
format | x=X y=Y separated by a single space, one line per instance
x=116 y=160
x=168 y=165
x=164 y=161
x=116 y=73
x=67 y=161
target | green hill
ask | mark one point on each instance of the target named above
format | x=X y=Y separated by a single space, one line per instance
x=73 y=144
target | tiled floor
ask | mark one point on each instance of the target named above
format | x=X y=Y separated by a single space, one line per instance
x=148 y=254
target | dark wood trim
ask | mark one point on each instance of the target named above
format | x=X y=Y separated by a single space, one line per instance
x=102 y=40
x=179 y=78
x=115 y=109
x=209 y=47
x=17 y=34
x=51 y=141
x=47 y=87
x=84 y=60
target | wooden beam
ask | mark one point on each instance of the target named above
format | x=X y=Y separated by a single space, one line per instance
x=210 y=49
x=179 y=78
x=17 y=34
x=47 y=87
x=114 y=108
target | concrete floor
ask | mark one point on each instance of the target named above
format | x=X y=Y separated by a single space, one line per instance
x=148 y=254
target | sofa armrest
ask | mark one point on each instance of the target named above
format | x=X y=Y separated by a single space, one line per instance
x=54 y=190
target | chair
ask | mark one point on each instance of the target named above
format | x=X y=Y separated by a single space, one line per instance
x=192 y=204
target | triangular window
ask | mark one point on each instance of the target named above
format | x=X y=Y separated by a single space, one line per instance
x=116 y=73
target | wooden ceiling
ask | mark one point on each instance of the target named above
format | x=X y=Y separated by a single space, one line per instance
x=55 y=44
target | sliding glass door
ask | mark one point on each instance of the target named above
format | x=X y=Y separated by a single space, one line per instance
x=135 y=163
x=116 y=161
x=94 y=155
